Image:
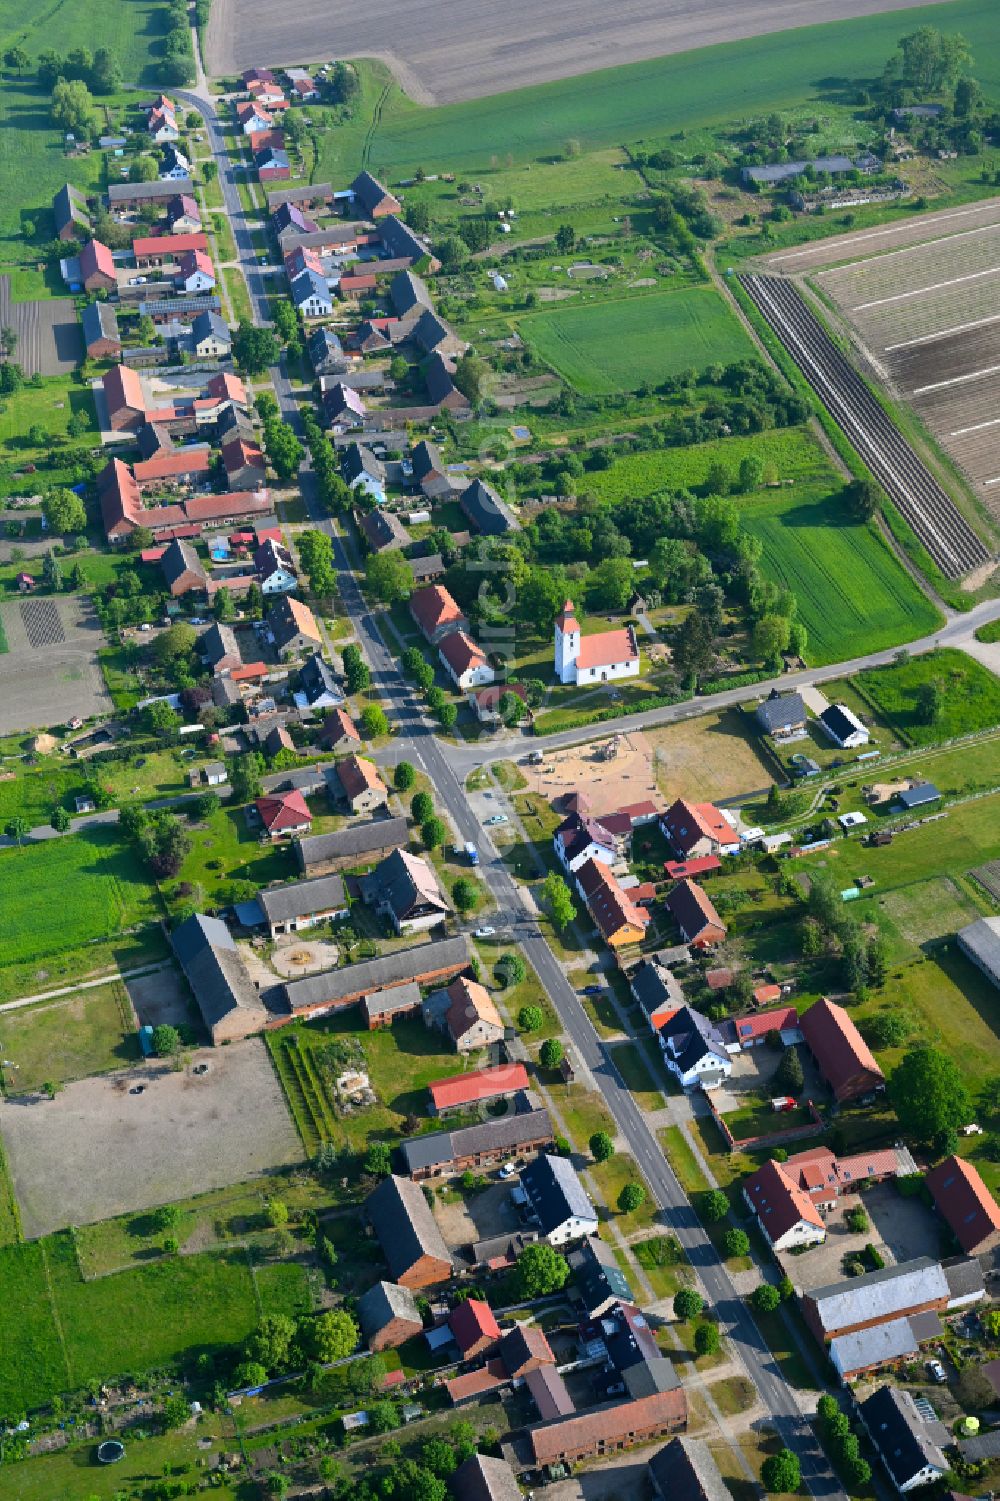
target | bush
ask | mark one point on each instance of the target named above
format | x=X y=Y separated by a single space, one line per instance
x=688 y=1304
x=736 y=1242
x=765 y=1298
x=856 y=1220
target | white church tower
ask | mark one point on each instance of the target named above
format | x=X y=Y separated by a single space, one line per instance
x=567 y=643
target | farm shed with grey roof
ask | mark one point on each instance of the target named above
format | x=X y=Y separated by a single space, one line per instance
x=388 y=1315
x=122 y=193
x=220 y=982
x=408 y=1234
x=408 y=293
x=777 y=172
x=445 y=1152
x=350 y=846
x=908 y=1287
x=99 y=322
x=685 y=1471
x=486 y=511
x=341 y=987
x=482 y=1478
x=980 y=942
x=297 y=905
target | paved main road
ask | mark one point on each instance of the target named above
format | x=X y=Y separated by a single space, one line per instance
x=445 y=769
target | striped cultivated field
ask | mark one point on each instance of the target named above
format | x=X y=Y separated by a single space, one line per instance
x=924 y=298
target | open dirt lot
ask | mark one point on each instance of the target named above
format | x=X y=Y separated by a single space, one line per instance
x=161 y=999
x=50 y=673
x=49 y=341
x=478 y=1218
x=711 y=757
x=96 y=1150
x=455 y=50
x=627 y=777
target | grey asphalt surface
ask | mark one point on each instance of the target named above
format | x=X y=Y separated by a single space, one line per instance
x=447 y=767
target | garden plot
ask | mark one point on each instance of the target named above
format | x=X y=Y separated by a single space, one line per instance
x=927 y=315
x=50 y=671
x=49 y=341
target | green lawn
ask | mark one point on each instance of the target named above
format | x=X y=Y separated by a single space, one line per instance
x=87 y=961
x=618 y=345
x=224 y=849
x=66 y=892
x=647 y=100
x=72 y=1037
x=36 y=789
x=49 y=405
x=853 y=595
x=58 y=1332
x=970 y=696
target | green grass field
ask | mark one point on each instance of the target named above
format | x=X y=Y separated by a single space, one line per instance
x=970 y=696
x=853 y=595
x=644 y=101
x=77 y=1035
x=70 y=891
x=58 y=1332
x=618 y=345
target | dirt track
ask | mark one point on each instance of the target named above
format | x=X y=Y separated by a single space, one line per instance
x=467 y=49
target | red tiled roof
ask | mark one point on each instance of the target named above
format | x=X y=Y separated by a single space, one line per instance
x=703 y=865
x=123 y=388
x=481 y=1084
x=607 y=1425
x=222 y=507
x=283 y=810
x=693 y=909
x=685 y=823
x=169 y=465
x=357 y=774
x=611 y=908
x=964 y=1201
x=461 y=653
x=749 y=1028
x=96 y=257
x=608 y=648
x=842 y=1055
x=339 y=723
x=778 y=1201
x=168 y=245
x=249 y=672
x=433 y=607
x=477 y=1383
x=227 y=387
x=471 y=1321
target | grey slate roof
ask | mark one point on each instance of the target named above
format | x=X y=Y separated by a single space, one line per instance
x=836 y=720
x=317 y=677
x=916 y=797
x=399 y=240
x=408 y=292
x=864 y=1349
x=893 y=1290
x=375 y=974
x=905 y=1440
x=209 y=323
x=693 y=1036
x=369 y=191
x=383 y=1303
x=180 y=557
x=354 y=842
x=99 y=321
x=124 y=192
x=684 y=1470
x=654 y=986
x=486 y=511
x=404 y=1224
x=397 y=998
x=555 y=1191
x=598 y=1275
x=482 y=1478
x=302 y=898
x=780 y=711
x=426 y=459
x=964 y=1276
x=219 y=641
x=213 y=968
x=980 y=942
x=359 y=460
x=505 y=1133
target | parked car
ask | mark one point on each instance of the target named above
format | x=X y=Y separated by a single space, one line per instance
x=936 y=1371
x=485 y=932
x=592 y=990
x=495 y=818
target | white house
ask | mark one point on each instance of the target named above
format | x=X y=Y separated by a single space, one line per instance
x=694 y=1050
x=175 y=164
x=274 y=568
x=195 y=272
x=785 y=1212
x=844 y=728
x=163 y=127
x=311 y=295
x=578 y=840
x=910 y=1444
x=464 y=662
x=558 y=1200
x=593 y=659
